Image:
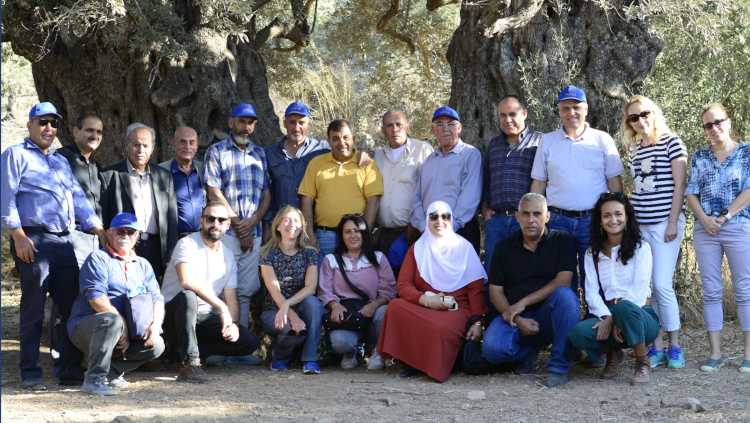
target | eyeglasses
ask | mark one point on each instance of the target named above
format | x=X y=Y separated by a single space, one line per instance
x=44 y=122
x=447 y=125
x=212 y=219
x=126 y=231
x=708 y=125
x=444 y=216
x=635 y=116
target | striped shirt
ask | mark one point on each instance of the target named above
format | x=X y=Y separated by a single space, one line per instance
x=651 y=168
x=242 y=176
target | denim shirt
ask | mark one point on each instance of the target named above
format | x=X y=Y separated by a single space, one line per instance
x=716 y=184
x=286 y=172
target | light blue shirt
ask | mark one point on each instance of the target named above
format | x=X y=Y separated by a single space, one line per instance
x=40 y=190
x=716 y=184
x=454 y=177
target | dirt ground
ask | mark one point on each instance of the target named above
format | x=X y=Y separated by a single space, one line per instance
x=249 y=394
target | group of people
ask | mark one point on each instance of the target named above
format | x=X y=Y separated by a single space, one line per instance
x=374 y=254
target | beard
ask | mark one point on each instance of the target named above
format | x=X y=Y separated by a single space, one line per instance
x=211 y=235
x=241 y=139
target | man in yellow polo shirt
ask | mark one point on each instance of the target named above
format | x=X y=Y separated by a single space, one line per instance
x=337 y=185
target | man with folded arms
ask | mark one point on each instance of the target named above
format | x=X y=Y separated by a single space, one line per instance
x=530 y=289
x=40 y=203
x=200 y=288
x=116 y=318
x=187 y=176
x=572 y=166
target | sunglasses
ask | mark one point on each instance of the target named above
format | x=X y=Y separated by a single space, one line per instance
x=44 y=122
x=717 y=122
x=636 y=116
x=212 y=219
x=444 y=216
x=126 y=231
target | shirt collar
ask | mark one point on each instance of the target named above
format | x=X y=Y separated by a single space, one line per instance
x=282 y=143
x=30 y=145
x=333 y=159
x=175 y=167
x=457 y=149
x=129 y=259
x=542 y=240
x=132 y=171
x=565 y=135
x=249 y=148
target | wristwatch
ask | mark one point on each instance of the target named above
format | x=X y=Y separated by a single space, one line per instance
x=726 y=214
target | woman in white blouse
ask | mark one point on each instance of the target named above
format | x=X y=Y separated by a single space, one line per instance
x=618 y=286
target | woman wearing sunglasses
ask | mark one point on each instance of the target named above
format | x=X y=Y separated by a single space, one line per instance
x=618 y=284
x=441 y=302
x=292 y=314
x=718 y=194
x=356 y=284
x=658 y=164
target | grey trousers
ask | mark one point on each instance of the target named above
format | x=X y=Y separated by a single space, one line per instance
x=96 y=335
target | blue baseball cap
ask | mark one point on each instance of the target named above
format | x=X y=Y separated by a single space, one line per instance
x=297 y=108
x=125 y=220
x=447 y=112
x=571 y=92
x=244 y=110
x=44 y=109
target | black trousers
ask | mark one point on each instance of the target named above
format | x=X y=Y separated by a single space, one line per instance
x=150 y=249
x=191 y=335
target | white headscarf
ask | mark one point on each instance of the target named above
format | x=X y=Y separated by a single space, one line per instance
x=447 y=262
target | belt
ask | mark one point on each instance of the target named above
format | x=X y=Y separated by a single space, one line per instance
x=505 y=211
x=145 y=236
x=325 y=228
x=571 y=213
x=45 y=230
x=614 y=301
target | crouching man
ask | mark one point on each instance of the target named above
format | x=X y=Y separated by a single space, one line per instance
x=117 y=316
x=200 y=287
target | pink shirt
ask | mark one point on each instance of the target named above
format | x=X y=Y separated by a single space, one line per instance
x=376 y=282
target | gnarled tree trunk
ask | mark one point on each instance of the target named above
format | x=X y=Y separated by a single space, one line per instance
x=103 y=64
x=533 y=48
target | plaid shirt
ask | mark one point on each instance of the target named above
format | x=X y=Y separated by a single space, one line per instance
x=242 y=176
x=507 y=169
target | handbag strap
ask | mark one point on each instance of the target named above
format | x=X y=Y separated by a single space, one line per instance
x=362 y=294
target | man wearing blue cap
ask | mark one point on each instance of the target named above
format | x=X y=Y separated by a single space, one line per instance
x=453 y=173
x=573 y=166
x=236 y=174
x=40 y=203
x=117 y=317
x=288 y=159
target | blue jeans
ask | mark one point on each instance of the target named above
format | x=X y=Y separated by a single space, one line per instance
x=346 y=341
x=580 y=228
x=310 y=310
x=497 y=229
x=326 y=242
x=557 y=316
x=54 y=270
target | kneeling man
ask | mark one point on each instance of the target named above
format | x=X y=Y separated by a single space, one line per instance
x=116 y=318
x=200 y=287
x=530 y=287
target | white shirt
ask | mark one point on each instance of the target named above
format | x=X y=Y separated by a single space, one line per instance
x=399 y=180
x=143 y=198
x=213 y=270
x=576 y=170
x=630 y=282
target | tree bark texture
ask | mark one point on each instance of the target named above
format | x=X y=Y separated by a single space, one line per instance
x=104 y=68
x=532 y=48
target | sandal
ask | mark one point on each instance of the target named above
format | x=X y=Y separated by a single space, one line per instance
x=714 y=364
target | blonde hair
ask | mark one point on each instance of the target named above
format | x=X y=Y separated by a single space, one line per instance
x=629 y=136
x=303 y=241
x=718 y=106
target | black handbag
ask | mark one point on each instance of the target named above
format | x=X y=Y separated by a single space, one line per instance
x=353 y=319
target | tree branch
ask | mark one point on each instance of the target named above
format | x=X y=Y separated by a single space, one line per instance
x=433 y=5
x=518 y=20
x=296 y=31
x=386 y=18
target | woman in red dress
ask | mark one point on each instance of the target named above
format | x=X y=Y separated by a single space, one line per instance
x=441 y=300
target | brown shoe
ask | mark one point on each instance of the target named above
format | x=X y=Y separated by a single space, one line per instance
x=191 y=373
x=612 y=368
x=642 y=372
